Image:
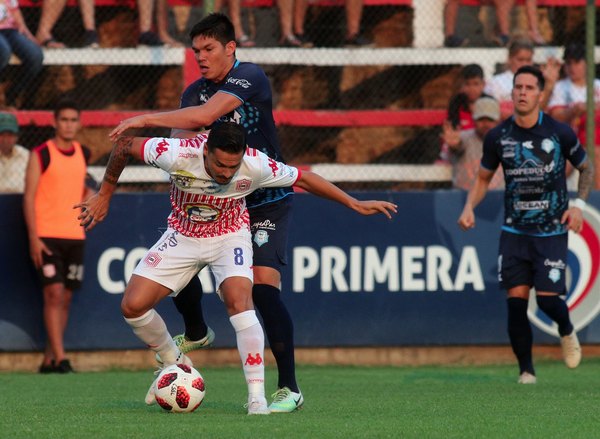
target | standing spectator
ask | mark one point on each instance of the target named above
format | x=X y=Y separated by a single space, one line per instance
x=533 y=150
x=532 y=20
x=51 y=11
x=145 y=13
x=16 y=38
x=354 y=37
x=460 y=108
x=291 y=19
x=520 y=53
x=234 y=7
x=452 y=39
x=466 y=146
x=54 y=183
x=568 y=100
x=13 y=157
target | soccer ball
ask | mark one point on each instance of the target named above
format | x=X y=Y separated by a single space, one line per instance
x=179 y=388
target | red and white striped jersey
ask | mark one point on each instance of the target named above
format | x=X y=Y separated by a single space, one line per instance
x=200 y=207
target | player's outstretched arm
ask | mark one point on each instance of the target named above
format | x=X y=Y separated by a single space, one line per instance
x=95 y=208
x=573 y=216
x=317 y=185
x=466 y=220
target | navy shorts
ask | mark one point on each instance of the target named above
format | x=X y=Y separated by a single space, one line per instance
x=65 y=264
x=269 y=224
x=536 y=261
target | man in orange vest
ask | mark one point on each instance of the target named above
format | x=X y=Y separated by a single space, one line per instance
x=54 y=182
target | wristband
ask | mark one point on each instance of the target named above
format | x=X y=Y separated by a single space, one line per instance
x=579 y=202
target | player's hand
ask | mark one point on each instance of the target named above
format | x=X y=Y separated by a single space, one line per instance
x=93 y=211
x=124 y=125
x=573 y=218
x=36 y=248
x=372 y=207
x=466 y=220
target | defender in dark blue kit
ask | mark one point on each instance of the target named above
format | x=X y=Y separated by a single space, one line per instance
x=230 y=90
x=533 y=150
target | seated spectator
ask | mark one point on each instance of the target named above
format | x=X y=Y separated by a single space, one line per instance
x=568 y=101
x=13 y=157
x=532 y=20
x=466 y=147
x=145 y=13
x=51 y=11
x=452 y=39
x=16 y=38
x=461 y=105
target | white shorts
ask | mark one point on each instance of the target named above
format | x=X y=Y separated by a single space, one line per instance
x=175 y=258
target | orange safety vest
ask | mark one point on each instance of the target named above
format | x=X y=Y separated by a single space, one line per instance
x=61 y=186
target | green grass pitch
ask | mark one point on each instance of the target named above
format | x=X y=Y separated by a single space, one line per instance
x=341 y=402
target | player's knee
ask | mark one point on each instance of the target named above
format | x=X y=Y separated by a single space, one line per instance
x=131 y=308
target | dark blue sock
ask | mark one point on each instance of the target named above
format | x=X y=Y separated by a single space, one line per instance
x=519 y=332
x=280 y=332
x=189 y=304
x=557 y=310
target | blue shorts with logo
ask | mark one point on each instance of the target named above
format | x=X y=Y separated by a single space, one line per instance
x=269 y=224
x=536 y=261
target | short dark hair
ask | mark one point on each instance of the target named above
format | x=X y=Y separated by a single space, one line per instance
x=215 y=25
x=66 y=104
x=575 y=52
x=227 y=136
x=532 y=70
x=471 y=71
x=519 y=44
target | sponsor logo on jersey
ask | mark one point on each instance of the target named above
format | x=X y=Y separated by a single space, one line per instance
x=201 y=213
x=528 y=144
x=508 y=142
x=243 y=185
x=183 y=179
x=274 y=167
x=244 y=83
x=532 y=205
x=261 y=237
x=547 y=146
x=582 y=277
x=161 y=147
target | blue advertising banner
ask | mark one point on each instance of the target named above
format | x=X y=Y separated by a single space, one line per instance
x=351 y=280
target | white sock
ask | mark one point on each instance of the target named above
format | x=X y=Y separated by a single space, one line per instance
x=152 y=330
x=251 y=346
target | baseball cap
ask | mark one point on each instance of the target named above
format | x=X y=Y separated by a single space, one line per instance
x=486 y=107
x=574 y=51
x=8 y=122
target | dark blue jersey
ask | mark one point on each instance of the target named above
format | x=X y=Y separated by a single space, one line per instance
x=534 y=163
x=249 y=83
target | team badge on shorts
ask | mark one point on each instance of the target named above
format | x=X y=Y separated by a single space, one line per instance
x=261 y=237
x=152 y=259
x=582 y=277
x=554 y=275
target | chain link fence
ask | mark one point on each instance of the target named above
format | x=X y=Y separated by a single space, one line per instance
x=372 y=105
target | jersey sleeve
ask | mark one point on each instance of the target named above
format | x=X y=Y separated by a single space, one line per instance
x=276 y=174
x=190 y=97
x=161 y=153
x=247 y=82
x=490 y=159
x=572 y=148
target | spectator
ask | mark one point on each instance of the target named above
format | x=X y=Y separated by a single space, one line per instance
x=466 y=146
x=147 y=37
x=13 y=157
x=460 y=106
x=291 y=20
x=54 y=183
x=520 y=53
x=51 y=11
x=451 y=39
x=234 y=8
x=532 y=20
x=568 y=101
x=354 y=37
x=16 y=38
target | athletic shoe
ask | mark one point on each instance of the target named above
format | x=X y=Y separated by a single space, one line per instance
x=455 y=41
x=186 y=345
x=527 y=378
x=64 y=366
x=571 y=350
x=182 y=359
x=286 y=401
x=258 y=406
